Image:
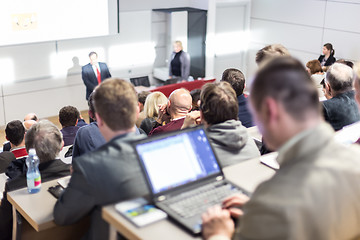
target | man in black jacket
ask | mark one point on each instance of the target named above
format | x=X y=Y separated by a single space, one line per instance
x=111 y=173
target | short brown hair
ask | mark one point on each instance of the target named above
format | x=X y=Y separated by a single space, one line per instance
x=218 y=103
x=286 y=80
x=314 y=66
x=68 y=116
x=271 y=51
x=115 y=101
x=236 y=79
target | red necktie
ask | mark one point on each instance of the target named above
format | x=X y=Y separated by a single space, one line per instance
x=98 y=75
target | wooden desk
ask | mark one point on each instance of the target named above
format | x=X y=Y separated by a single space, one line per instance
x=37 y=210
x=246 y=174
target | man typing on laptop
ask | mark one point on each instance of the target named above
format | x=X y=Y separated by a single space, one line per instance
x=315 y=193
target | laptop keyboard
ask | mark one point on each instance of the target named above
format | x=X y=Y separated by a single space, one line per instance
x=197 y=201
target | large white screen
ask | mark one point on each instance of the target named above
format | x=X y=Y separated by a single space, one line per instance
x=26 y=21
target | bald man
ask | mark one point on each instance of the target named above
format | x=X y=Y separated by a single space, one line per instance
x=31 y=116
x=174 y=112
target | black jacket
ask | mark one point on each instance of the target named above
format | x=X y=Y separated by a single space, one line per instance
x=329 y=61
x=107 y=175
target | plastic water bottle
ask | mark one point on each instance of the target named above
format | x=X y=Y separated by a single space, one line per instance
x=33 y=174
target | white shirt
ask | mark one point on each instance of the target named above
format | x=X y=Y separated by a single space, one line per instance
x=96 y=66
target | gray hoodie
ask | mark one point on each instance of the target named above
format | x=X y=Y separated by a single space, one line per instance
x=231 y=142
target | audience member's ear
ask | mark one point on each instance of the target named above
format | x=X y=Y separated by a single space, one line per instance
x=99 y=120
x=137 y=111
x=138 y=107
x=91 y=115
x=328 y=88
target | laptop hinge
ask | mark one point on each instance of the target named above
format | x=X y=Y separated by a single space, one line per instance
x=161 y=198
x=219 y=178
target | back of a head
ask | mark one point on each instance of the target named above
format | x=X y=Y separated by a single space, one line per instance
x=236 y=79
x=153 y=100
x=15 y=132
x=46 y=138
x=340 y=77
x=218 y=103
x=181 y=100
x=346 y=62
x=286 y=80
x=68 y=116
x=116 y=103
x=195 y=95
x=142 y=96
x=28 y=123
x=31 y=116
x=314 y=66
x=269 y=52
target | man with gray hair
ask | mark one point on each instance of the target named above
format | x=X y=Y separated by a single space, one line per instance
x=341 y=109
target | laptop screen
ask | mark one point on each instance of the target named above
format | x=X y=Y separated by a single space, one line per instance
x=177 y=159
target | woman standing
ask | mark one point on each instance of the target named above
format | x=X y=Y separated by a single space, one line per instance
x=180 y=62
x=327 y=58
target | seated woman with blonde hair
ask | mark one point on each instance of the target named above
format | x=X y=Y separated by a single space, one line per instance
x=151 y=110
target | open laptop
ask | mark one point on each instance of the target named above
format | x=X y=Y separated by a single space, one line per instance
x=183 y=175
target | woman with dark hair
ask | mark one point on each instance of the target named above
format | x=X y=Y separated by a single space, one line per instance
x=327 y=58
x=317 y=75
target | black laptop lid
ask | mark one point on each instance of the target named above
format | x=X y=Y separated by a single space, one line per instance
x=177 y=159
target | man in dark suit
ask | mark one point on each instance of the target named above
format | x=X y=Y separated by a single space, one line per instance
x=94 y=73
x=111 y=173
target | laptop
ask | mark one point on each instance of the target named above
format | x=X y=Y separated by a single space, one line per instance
x=183 y=175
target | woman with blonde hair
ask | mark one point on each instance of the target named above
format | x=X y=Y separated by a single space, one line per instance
x=179 y=63
x=151 y=110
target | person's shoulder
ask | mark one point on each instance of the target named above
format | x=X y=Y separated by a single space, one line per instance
x=85 y=66
x=116 y=145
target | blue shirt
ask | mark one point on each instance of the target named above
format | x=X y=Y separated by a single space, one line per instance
x=244 y=114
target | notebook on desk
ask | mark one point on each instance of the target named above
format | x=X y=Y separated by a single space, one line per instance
x=184 y=175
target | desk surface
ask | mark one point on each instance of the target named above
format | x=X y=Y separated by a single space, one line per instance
x=246 y=174
x=36 y=208
x=254 y=133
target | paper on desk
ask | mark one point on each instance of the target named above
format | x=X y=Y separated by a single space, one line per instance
x=349 y=134
x=270 y=160
x=64 y=182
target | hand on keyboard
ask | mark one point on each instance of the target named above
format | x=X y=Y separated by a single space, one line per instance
x=217 y=221
x=234 y=204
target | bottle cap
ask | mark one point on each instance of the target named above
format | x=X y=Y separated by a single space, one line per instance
x=32 y=151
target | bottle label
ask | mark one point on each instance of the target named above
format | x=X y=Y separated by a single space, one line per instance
x=37 y=181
